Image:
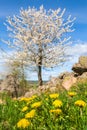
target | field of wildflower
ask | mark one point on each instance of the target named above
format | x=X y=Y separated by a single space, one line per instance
x=49 y=111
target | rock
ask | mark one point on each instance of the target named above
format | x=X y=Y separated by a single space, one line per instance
x=53 y=89
x=84 y=75
x=43 y=88
x=65 y=74
x=68 y=82
x=62 y=82
x=30 y=93
x=80 y=67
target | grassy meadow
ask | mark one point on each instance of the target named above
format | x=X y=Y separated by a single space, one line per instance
x=50 y=111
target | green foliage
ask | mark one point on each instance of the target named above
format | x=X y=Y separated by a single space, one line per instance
x=66 y=116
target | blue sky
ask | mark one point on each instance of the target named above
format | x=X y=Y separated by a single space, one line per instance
x=77 y=8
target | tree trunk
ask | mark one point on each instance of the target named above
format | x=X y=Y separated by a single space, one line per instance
x=15 y=90
x=23 y=75
x=15 y=94
x=40 y=82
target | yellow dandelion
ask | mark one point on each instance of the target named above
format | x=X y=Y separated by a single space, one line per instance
x=25 y=109
x=1 y=101
x=54 y=95
x=80 y=103
x=24 y=99
x=31 y=114
x=23 y=123
x=56 y=111
x=33 y=97
x=36 y=104
x=57 y=103
x=46 y=99
x=28 y=103
x=28 y=99
x=71 y=94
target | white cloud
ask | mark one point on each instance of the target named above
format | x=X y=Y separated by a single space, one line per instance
x=78 y=49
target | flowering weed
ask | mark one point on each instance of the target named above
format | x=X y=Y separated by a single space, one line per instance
x=55 y=111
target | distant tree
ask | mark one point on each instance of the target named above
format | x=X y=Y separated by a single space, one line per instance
x=16 y=65
x=41 y=35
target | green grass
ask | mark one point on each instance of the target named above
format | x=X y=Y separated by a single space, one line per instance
x=71 y=117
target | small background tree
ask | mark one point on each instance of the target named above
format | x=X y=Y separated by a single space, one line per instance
x=16 y=67
x=41 y=35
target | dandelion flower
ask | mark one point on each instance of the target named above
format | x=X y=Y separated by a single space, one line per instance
x=80 y=103
x=25 y=109
x=46 y=99
x=23 y=123
x=28 y=103
x=54 y=95
x=56 y=111
x=28 y=99
x=24 y=99
x=57 y=103
x=1 y=102
x=31 y=114
x=71 y=94
x=33 y=97
x=36 y=104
